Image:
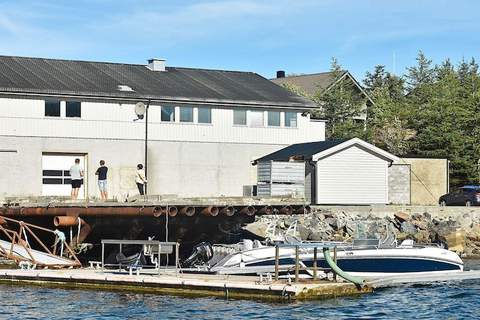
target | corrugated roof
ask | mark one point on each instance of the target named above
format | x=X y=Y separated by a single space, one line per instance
x=303 y=150
x=101 y=79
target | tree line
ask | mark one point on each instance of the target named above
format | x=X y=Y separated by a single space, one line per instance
x=432 y=110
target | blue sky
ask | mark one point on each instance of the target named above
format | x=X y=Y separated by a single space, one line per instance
x=252 y=35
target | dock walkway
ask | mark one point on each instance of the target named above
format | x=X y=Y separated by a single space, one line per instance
x=171 y=283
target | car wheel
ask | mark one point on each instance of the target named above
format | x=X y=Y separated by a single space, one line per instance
x=443 y=203
x=468 y=203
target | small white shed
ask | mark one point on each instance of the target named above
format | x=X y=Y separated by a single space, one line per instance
x=341 y=172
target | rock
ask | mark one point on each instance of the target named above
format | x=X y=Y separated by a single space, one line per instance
x=257 y=228
x=456 y=241
x=303 y=232
x=422 y=236
x=402 y=216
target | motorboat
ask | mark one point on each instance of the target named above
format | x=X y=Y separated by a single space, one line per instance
x=367 y=258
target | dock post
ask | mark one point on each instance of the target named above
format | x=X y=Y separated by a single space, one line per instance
x=297 y=264
x=277 y=257
x=315 y=263
x=103 y=255
x=335 y=260
x=176 y=257
x=159 y=250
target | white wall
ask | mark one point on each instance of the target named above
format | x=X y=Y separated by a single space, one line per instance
x=184 y=159
x=352 y=176
x=24 y=117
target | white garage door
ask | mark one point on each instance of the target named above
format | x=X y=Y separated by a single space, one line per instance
x=352 y=176
x=56 y=174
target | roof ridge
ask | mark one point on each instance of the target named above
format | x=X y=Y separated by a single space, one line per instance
x=71 y=60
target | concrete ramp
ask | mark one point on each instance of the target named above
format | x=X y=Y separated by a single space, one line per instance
x=21 y=253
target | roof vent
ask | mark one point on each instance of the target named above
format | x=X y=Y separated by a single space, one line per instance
x=125 y=88
x=156 y=64
x=280 y=74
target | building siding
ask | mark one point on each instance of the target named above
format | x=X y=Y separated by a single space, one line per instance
x=352 y=176
x=186 y=159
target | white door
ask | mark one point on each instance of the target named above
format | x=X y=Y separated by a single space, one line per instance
x=56 y=174
x=352 y=176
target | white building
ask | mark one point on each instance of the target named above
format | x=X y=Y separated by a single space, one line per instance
x=341 y=172
x=204 y=126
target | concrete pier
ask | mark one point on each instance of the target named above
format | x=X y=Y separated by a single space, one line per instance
x=171 y=283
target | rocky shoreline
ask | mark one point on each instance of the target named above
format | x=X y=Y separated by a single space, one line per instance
x=458 y=232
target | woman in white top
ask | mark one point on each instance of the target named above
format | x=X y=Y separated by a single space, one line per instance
x=140 y=178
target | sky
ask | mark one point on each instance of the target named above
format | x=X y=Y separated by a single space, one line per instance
x=297 y=36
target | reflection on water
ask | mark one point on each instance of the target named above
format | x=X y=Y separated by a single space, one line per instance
x=445 y=300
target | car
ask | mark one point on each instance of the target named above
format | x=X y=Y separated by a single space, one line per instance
x=464 y=196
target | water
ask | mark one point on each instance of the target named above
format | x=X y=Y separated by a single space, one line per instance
x=439 y=301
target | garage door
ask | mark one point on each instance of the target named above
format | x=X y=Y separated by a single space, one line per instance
x=352 y=176
x=56 y=174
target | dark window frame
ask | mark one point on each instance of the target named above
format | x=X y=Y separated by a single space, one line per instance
x=52 y=108
x=73 y=109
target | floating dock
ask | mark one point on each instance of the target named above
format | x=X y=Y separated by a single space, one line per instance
x=181 y=284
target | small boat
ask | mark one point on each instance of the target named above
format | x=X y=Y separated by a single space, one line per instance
x=367 y=258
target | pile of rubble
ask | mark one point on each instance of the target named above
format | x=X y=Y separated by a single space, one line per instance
x=460 y=234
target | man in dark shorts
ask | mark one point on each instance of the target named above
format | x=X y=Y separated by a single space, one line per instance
x=76 y=175
x=102 y=179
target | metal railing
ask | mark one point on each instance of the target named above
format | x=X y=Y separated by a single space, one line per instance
x=149 y=247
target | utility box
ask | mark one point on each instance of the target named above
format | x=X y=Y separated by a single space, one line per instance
x=281 y=178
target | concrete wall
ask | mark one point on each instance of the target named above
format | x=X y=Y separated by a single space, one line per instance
x=187 y=169
x=399 y=181
x=429 y=179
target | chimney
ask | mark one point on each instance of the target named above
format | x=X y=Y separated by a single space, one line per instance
x=280 y=74
x=156 y=64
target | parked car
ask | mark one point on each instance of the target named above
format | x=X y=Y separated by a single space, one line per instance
x=465 y=196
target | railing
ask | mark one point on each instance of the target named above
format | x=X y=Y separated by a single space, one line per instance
x=150 y=248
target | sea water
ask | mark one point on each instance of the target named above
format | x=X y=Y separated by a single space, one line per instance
x=454 y=300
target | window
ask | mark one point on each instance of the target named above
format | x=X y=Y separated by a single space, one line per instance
x=255 y=118
x=291 y=119
x=52 y=108
x=73 y=109
x=168 y=114
x=204 y=115
x=274 y=118
x=56 y=177
x=240 y=117
x=186 y=114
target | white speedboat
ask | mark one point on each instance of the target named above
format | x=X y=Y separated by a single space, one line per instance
x=367 y=258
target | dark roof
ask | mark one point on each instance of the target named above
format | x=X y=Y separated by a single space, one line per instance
x=19 y=75
x=310 y=83
x=303 y=150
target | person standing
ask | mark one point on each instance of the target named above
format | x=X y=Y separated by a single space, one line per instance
x=102 y=180
x=140 y=179
x=76 y=176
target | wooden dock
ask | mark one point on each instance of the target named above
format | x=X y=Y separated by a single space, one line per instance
x=172 y=283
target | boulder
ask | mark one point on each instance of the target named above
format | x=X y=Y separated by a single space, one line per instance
x=402 y=216
x=456 y=241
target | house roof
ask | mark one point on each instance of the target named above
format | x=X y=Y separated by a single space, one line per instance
x=302 y=150
x=38 y=76
x=312 y=83
x=321 y=149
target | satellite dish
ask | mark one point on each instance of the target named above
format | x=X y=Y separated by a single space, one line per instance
x=140 y=109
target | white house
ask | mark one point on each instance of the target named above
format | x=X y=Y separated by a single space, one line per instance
x=204 y=126
x=341 y=172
